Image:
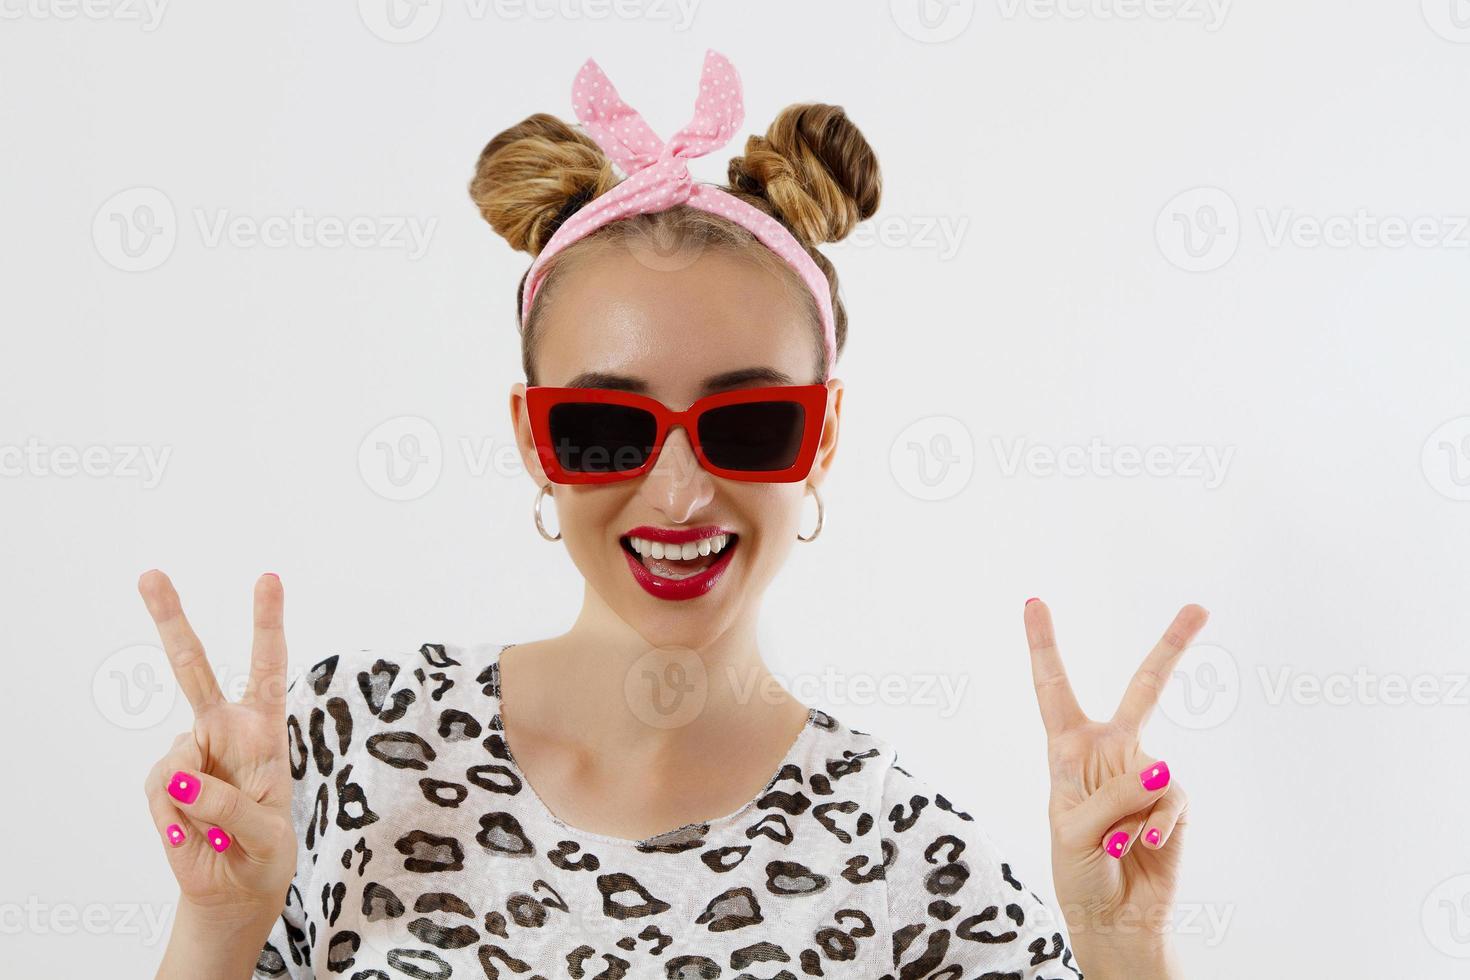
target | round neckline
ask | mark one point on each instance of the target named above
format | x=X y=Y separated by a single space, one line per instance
x=498 y=724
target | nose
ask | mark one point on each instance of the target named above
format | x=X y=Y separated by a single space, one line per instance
x=677 y=486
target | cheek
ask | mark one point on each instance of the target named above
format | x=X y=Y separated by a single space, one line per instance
x=775 y=517
x=586 y=516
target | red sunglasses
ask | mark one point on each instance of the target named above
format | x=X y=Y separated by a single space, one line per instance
x=601 y=435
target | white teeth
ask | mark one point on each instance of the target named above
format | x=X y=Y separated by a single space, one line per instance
x=687 y=551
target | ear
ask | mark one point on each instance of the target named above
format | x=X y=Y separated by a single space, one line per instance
x=827 y=448
x=520 y=424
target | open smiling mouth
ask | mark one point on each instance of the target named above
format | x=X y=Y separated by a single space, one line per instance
x=678 y=564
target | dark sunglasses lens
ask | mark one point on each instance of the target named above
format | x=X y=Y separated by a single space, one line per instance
x=753 y=436
x=592 y=437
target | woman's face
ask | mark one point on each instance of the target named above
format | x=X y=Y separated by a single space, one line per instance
x=717 y=323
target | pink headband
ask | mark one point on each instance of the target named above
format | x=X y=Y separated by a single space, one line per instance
x=658 y=176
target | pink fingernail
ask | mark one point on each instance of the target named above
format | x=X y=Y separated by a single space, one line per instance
x=1117 y=844
x=1152 y=836
x=218 y=839
x=274 y=575
x=175 y=834
x=184 y=787
x=1031 y=600
x=1155 y=776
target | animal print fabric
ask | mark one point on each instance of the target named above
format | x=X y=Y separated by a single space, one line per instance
x=424 y=853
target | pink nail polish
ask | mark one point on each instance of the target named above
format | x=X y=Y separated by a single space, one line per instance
x=1152 y=836
x=175 y=834
x=1155 y=776
x=1117 y=844
x=1031 y=600
x=184 y=787
x=218 y=839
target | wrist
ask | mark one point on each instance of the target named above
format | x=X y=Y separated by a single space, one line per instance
x=213 y=942
x=226 y=919
x=1136 y=958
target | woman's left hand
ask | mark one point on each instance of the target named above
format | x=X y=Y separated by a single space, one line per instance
x=1117 y=816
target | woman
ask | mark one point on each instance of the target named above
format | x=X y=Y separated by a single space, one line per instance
x=638 y=797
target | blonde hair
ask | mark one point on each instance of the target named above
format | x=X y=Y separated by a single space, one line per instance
x=812 y=170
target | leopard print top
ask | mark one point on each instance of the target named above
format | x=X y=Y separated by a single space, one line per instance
x=423 y=852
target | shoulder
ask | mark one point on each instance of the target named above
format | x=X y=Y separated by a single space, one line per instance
x=392 y=705
x=953 y=897
x=387 y=681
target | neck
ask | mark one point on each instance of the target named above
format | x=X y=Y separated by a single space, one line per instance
x=602 y=685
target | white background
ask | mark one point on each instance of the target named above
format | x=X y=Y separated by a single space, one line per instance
x=1032 y=286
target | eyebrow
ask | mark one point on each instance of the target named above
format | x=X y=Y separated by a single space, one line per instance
x=717 y=382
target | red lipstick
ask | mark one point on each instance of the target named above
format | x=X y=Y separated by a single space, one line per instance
x=685 y=588
x=675 y=535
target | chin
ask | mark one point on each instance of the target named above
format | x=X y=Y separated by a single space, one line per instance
x=680 y=602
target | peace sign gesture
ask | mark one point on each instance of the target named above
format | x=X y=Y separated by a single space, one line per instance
x=220 y=798
x=1117 y=816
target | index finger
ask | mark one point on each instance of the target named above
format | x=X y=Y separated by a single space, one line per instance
x=185 y=653
x=1149 y=680
x=1059 y=707
x=266 y=688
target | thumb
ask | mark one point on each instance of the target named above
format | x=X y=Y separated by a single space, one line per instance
x=1114 y=800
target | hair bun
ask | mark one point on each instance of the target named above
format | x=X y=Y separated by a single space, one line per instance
x=815 y=168
x=535 y=175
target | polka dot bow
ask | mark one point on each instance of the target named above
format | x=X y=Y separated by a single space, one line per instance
x=658 y=175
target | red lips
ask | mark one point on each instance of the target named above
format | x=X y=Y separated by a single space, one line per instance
x=669 y=535
x=685 y=588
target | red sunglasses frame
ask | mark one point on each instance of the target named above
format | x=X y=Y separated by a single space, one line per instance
x=541 y=399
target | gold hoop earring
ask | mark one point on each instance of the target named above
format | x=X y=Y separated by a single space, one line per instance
x=539 y=526
x=821 y=516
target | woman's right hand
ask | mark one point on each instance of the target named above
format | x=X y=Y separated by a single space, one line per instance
x=221 y=796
